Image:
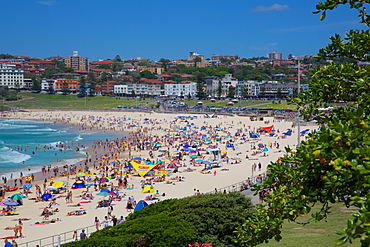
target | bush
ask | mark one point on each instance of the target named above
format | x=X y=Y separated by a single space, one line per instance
x=209 y=218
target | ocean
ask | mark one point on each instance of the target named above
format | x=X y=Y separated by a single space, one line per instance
x=25 y=143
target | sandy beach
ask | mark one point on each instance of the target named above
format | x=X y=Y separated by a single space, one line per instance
x=197 y=135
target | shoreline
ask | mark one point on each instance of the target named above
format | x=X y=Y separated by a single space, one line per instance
x=37 y=170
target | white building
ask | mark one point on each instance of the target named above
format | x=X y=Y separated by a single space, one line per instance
x=120 y=89
x=10 y=76
x=143 y=89
x=47 y=84
x=180 y=89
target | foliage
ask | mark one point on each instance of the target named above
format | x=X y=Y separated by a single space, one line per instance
x=143 y=63
x=333 y=164
x=152 y=230
x=7 y=94
x=178 y=222
x=147 y=74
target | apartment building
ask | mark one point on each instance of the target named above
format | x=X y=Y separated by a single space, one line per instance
x=76 y=62
x=10 y=76
x=179 y=90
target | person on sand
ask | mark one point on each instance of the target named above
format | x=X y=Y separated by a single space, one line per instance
x=20 y=228
x=97 y=223
x=15 y=229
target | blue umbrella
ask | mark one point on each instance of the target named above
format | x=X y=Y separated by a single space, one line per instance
x=78 y=185
x=105 y=190
x=27 y=186
x=46 y=196
x=137 y=158
x=10 y=203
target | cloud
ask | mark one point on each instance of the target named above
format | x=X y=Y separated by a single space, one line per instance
x=275 y=6
x=47 y=3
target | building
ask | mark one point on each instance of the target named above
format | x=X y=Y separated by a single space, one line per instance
x=120 y=90
x=72 y=85
x=213 y=84
x=47 y=85
x=227 y=57
x=180 y=90
x=194 y=55
x=274 y=56
x=27 y=83
x=77 y=63
x=144 y=89
x=42 y=64
x=105 y=88
x=252 y=89
x=10 y=76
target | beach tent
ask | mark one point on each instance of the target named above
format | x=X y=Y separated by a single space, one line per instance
x=141 y=204
x=148 y=189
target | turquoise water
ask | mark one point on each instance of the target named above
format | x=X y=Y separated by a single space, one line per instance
x=26 y=143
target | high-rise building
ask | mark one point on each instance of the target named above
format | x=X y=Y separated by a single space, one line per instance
x=274 y=56
x=10 y=76
x=77 y=63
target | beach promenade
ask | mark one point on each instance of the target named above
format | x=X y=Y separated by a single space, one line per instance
x=197 y=153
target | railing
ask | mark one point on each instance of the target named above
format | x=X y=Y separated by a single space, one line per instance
x=58 y=239
x=65 y=237
x=238 y=187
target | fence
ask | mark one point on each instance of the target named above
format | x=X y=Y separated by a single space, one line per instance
x=57 y=239
x=238 y=187
x=65 y=237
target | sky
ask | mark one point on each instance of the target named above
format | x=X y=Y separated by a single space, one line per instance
x=154 y=29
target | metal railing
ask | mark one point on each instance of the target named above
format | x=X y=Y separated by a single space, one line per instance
x=239 y=186
x=58 y=239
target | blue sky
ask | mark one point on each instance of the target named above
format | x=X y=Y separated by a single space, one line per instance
x=101 y=29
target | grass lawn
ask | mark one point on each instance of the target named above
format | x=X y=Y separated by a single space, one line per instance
x=315 y=234
x=41 y=100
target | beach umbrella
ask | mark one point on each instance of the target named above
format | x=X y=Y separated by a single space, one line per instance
x=137 y=158
x=81 y=174
x=104 y=190
x=103 y=179
x=103 y=194
x=27 y=186
x=199 y=161
x=193 y=156
x=115 y=163
x=52 y=188
x=16 y=197
x=78 y=185
x=162 y=151
x=9 y=203
x=58 y=184
x=46 y=196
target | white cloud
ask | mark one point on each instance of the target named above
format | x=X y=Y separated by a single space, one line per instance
x=47 y=3
x=275 y=6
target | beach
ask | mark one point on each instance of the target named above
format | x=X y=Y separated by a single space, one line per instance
x=239 y=157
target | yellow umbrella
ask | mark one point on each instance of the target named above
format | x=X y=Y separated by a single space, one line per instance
x=58 y=184
x=223 y=152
